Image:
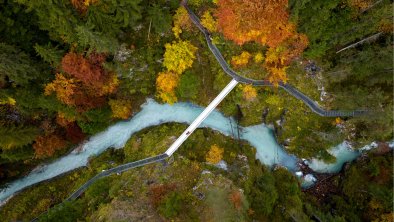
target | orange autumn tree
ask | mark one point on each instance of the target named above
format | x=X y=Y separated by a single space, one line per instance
x=236 y=198
x=265 y=22
x=165 y=84
x=262 y=21
x=82 y=5
x=89 y=70
x=84 y=82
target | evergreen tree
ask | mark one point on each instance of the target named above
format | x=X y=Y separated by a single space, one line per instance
x=110 y=16
x=19 y=27
x=14 y=137
x=336 y=23
x=160 y=18
x=55 y=16
x=16 y=65
x=96 y=41
x=49 y=54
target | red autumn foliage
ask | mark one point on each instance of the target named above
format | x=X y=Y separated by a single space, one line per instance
x=46 y=146
x=89 y=70
x=235 y=198
x=85 y=100
x=158 y=192
x=74 y=133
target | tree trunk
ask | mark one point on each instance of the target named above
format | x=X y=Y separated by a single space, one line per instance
x=374 y=37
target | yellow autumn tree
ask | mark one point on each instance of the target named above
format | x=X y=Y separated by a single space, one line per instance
x=166 y=81
x=7 y=100
x=121 y=108
x=181 y=21
x=209 y=22
x=241 y=60
x=276 y=64
x=215 y=154
x=168 y=97
x=110 y=86
x=63 y=87
x=249 y=92
x=179 y=56
x=258 y=57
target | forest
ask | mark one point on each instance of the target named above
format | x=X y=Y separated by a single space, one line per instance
x=71 y=68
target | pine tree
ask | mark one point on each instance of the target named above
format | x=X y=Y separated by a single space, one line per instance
x=16 y=65
x=160 y=17
x=96 y=41
x=110 y=16
x=57 y=17
x=49 y=54
x=14 y=137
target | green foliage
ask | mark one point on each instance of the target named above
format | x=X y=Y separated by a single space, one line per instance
x=17 y=136
x=16 y=65
x=16 y=154
x=321 y=28
x=335 y=24
x=95 y=120
x=57 y=17
x=68 y=211
x=171 y=205
x=102 y=24
x=19 y=27
x=196 y=3
x=361 y=78
x=188 y=86
x=110 y=16
x=289 y=192
x=50 y=54
x=274 y=195
x=97 y=193
x=264 y=194
x=151 y=142
x=309 y=135
x=96 y=40
x=366 y=193
x=160 y=18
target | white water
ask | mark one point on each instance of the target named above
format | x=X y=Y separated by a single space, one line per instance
x=343 y=154
x=152 y=113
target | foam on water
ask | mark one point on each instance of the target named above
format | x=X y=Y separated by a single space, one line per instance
x=343 y=154
x=152 y=113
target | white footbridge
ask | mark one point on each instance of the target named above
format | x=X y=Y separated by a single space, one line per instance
x=201 y=117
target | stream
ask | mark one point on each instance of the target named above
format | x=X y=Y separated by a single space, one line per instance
x=152 y=113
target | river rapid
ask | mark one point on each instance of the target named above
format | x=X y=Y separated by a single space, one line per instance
x=152 y=113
